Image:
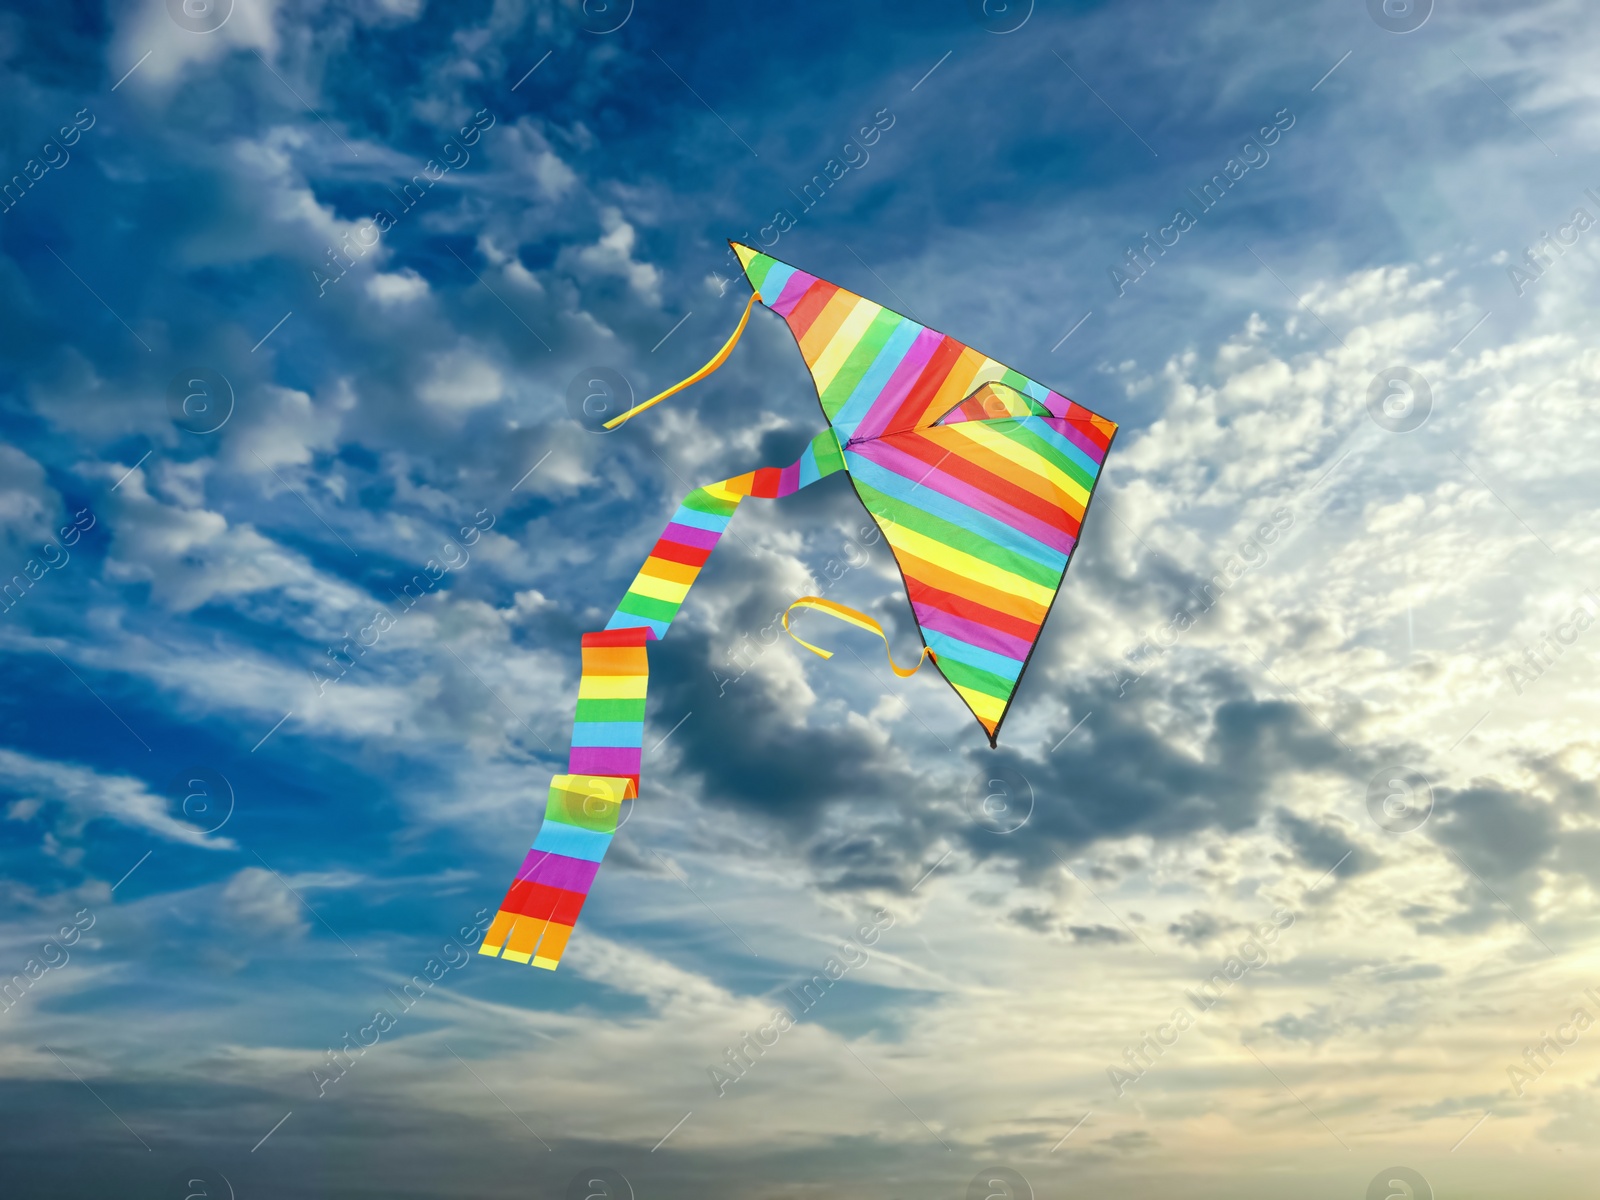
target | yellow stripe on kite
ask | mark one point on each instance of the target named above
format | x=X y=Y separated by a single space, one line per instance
x=960 y=563
x=816 y=338
x=613 y=687
x=725 y=490
x=598 y=789
x=987 y=708
x=835 y=353
x=669 y=590
x=1035 y=464
x=850 y=616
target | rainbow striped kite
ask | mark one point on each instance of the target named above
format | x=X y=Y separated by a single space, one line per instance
x=980 y=479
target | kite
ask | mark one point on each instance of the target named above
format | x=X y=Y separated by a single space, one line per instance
x=980 y=479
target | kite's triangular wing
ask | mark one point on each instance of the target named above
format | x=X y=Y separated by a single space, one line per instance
x=978 y=476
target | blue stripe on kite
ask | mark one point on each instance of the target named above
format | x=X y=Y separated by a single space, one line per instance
x=930 y=501
x=693 y=517
x=1037 y=426
x=557 y=837
x=809 y=471
x=627 y=620
x=772 y=285
x=865 y=394
x=946 y=646
x=608 y=733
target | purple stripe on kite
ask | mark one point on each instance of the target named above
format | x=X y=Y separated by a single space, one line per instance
x=891 y=458
x=688 y=535
x=1071 y=431
x=532 y=860
x=789 y=480
x=557 y=870
x=970 y=632
x=615 y=761
x=899 y=386
x=797 y=286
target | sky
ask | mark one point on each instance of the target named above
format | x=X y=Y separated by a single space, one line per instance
x=1288 y=886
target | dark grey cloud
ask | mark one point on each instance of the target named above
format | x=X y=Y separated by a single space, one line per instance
x=1092 y=934
x=749 y=750
x=1120 y=775
x=1498 y=832
x=1325 y=847
x=1197 y=928
x=1039 y=920
x=1502 y=838
x=1314 y=1027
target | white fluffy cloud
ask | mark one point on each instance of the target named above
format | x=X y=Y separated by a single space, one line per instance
x=462 y=379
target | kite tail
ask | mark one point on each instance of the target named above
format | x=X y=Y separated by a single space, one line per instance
x=582 y=814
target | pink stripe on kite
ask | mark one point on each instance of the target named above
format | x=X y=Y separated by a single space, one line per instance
x=892 y=458
x=1074 y=434
x=557 y=870
x=1057 y=404
x=618 y=761
x=789 y=480
x=970 y=632
x=894 y=392
x=688 y=535
x=796 y=287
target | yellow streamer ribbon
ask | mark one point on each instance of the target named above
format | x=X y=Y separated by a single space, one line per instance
x=860 y=620
x=720 y=358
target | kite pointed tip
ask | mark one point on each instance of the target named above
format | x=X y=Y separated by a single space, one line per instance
x=745 y=253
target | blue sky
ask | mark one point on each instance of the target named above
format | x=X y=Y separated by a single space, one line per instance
x=1194 y=792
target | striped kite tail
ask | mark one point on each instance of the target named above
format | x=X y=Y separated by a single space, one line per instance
x=542 y=904
x=580 y=818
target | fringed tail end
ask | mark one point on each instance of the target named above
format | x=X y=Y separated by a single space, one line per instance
x=544 y=900
x=520 y=938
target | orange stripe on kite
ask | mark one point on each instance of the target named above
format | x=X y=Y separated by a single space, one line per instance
x=665 y=568
x=615 y=660
x=829 y=321
x=804 y=314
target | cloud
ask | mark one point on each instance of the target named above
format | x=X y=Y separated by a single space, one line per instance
x=87 y=795
x=191 y=556
x=402 y=287
x=462 y=379
x=1501 y=833
x=1197 y=928
x=613 y=255
x=29 y=506
x=1322 y=842
x=257 y=900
